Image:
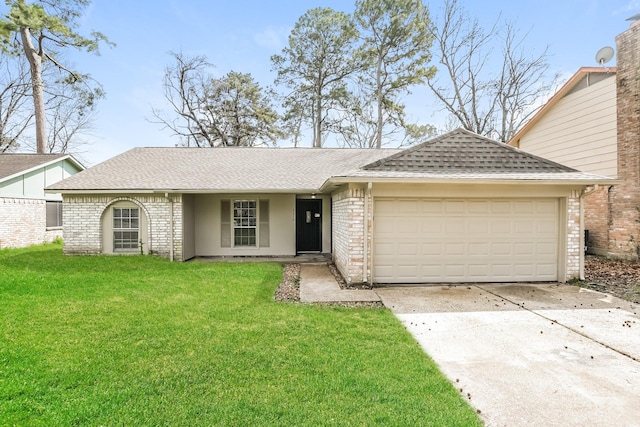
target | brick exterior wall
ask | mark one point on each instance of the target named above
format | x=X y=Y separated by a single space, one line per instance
x=82 y=219
x=596 y=220
x=624 y=233
x=348 y=232
x=23 y=223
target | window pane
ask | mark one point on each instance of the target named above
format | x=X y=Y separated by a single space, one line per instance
x=54 y=214
x=125 y=229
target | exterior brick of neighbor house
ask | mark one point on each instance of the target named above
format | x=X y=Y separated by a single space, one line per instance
x=596 y=220
x=23 y=223
x=624 y=199
x=82 y=219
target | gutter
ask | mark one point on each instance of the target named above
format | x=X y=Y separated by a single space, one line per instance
x=365 y=255
x=171 y=255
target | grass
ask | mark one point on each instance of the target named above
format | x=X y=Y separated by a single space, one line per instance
x=140 y=341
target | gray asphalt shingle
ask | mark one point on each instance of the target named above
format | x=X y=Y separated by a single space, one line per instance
x=462 y=151
x=457 y=155
x=13 y=163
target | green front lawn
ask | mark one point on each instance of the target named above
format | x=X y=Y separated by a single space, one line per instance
x=90 y=340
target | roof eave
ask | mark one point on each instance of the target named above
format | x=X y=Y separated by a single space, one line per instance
x=184 y=191
x=471 y=180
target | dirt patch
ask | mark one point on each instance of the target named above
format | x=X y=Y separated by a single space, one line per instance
x=616 y=277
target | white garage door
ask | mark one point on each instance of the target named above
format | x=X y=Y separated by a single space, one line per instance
x=470 y=240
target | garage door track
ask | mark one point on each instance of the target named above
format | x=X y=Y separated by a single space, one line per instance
x=541 y=354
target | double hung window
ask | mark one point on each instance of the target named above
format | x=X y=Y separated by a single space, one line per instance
x=244 y=222
x=126 y=229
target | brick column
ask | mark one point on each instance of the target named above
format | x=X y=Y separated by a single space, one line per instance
x=348 y=232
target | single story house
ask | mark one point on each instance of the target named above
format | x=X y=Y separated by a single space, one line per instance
x=457 y=208
x=28 y=216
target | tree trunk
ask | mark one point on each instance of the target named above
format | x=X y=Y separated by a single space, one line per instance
x=35 y=65
x=317 y=137
x=379 y=101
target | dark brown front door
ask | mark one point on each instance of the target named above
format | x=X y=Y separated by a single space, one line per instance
x=309 y=225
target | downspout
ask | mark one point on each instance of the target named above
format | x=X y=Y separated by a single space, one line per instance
x=583 y=194
x=170 y=226
x=365 y=257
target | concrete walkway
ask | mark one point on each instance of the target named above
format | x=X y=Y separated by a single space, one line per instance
x=317 y=284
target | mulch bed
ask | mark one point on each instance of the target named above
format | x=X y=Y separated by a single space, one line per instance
x=616 y=277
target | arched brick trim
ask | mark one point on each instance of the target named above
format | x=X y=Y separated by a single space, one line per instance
x=135 y=202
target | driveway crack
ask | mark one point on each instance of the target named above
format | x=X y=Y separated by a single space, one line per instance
x=568 y=327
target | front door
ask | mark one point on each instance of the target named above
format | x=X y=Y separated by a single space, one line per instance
x=309 y=225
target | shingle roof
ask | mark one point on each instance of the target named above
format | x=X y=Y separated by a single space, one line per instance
x=464 y=152
x=221 y=169
x=459 y=155
x=13 y=163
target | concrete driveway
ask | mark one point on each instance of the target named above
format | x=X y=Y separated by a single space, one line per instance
x=530 y=355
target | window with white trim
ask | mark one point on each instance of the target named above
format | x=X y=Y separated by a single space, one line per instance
x=245 y=214
x=126 y=229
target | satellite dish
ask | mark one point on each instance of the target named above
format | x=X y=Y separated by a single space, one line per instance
x=604 y=55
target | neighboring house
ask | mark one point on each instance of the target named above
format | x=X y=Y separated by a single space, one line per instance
x=457 y=208
x=27 y=215
x=593 y=124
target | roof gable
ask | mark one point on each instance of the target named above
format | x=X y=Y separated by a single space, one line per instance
x=577 y=81
x=13 y=164
x=462 y=151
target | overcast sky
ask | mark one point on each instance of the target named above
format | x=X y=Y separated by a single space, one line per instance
x=241 y=35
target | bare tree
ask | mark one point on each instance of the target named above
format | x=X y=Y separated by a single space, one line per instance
x=230 y=111
x=484 y=98
x=71 y=108
x=40 y=25
x=15 y=114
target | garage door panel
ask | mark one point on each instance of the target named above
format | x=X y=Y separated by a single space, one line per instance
x=500 y=227
x=454 y=249
x=500 y=249
x=455 y=271
x=408 y=206
x=408 y=249
x=525 y=248
x=478 y=249
x=479 y=270
x=483 y=240
x=431 y=249
x=479 y=226
x=455 y=206
x=454 y=226
x=524 y=207
x=433 y=226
